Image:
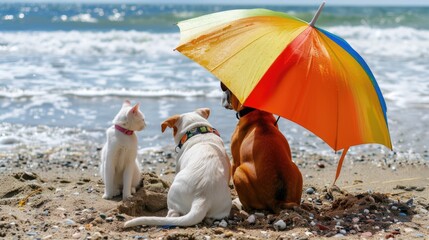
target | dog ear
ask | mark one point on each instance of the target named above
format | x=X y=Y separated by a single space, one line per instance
x=223 y=87
x=203 y=112
x=170 y=122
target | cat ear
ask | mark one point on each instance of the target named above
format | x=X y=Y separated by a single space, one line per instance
x=170 y=122
x=135 y=109
x=203 y=112
x=126 y=103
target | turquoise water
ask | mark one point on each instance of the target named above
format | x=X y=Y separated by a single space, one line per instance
x=71 y=65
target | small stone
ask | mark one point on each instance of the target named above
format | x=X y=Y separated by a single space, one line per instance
x=342 y=231
x=120 y=217
x=96 y=236
x=61 y=209
x=109 y=219
x=338 y=235
x=69 y=222
x=366 y=234
x=420 y=189
x=402 y=214
x=228 y=234
x=223 y=223
x=31 y=233
x=320 y=165
x=355 y=220
x=394 y=208
x=259 y=214
x=279 y=225
x=251 y=219
x=76 y=235
x=103 y=216
x=419 y=235
x=310 y=190
x=366 y=211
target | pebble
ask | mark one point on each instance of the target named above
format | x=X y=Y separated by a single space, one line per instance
x=366 y=234
x=103 y=216
x=259 y=214
x=223 y=223
x=96 y=235
x=419 y=235
x=338 y=235
x=76 y=235
x=120 y=217
x=366 y=211
x=279 y=225
x=320 y=165
x=251 y=219
x=31 y=233
x=109 y=219
x=310 y=190
x=355 y=220
x=69 y=222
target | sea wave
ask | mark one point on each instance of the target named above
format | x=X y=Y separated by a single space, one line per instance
x=98 y=93
x=400 y=41
x=159 y=17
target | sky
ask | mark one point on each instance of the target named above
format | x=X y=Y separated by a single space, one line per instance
x=261 y=2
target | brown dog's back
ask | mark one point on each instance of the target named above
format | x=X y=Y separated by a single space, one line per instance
x=263 y=172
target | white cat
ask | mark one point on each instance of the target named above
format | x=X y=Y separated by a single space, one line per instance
x=200 y=189
x=119 y=168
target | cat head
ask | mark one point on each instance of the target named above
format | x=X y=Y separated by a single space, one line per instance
x=130 y=117
x=186 y=121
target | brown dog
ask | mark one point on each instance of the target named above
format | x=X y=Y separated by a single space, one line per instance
x=263 y=172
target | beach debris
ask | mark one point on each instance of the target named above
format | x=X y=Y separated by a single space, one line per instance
x=23 y=201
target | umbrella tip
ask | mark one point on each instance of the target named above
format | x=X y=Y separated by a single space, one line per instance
x=316 y=16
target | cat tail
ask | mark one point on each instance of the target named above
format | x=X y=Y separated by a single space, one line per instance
x=196 y=215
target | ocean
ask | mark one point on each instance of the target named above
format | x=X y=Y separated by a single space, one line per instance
x=65 y=70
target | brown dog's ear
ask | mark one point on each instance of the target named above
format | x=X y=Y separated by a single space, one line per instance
x=223 y=87
x=170 y=122
x=203 y=112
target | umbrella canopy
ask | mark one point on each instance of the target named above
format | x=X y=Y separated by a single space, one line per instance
x=284 y=65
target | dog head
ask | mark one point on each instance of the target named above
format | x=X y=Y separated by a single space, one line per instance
x=229 y=100
x=185 y=122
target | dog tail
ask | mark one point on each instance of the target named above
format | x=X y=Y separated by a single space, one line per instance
x=196 y=215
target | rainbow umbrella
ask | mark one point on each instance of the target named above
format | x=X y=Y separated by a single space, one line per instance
x=284 y=65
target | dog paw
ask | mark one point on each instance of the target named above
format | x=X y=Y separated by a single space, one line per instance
x=107 y=196
x=126 y=196
x=173 y=213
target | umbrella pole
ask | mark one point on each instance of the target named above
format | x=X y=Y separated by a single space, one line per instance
x=278 y=118
x=316 y=16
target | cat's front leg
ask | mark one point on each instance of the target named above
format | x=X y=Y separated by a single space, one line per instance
x=110 y=189
x=128 y=179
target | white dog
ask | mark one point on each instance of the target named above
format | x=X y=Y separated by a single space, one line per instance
x=200 y=189
x=119 y=169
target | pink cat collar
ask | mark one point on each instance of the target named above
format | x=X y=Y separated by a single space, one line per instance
x=123 y=130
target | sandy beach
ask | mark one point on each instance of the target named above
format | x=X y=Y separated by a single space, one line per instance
x=55 y=193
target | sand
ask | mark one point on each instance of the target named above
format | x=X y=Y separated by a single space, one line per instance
x=55 y=193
